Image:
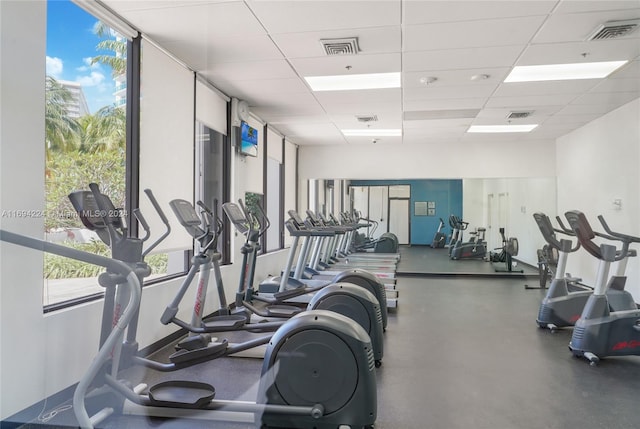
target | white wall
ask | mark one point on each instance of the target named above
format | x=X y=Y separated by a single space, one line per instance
x=526 y=196
x=461 y=160
x=23 y=369
x=473 y=205
x=597 y=164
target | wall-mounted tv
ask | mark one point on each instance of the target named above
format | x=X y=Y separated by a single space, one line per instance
x=248 y=140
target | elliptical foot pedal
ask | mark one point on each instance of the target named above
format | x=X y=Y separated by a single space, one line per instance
x=212 y=351
x=225 y=323
x=183 y=394
x=283 y=310
x=290 y=293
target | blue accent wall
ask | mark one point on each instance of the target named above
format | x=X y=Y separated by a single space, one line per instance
x=447 y=195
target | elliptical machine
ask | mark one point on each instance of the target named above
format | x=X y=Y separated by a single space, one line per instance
x=297 y=387
x=353 y=301
x=601 y=332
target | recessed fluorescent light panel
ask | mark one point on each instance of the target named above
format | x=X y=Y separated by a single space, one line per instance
x=563 y=71
x=354 y=81
x=524 y=128
x=372 y=132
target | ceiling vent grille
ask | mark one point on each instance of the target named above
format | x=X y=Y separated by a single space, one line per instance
x=367 y=118
x=614 y=29
x=347 y=46
x=519 y=115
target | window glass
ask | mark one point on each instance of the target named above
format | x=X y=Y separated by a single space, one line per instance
x=85 y=139
x=254 y=205
x=273 y=204
x=211 y=183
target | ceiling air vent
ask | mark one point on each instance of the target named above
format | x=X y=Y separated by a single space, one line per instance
x=519 y=115
x=614 y=29
x=367 y=118
x=348 y=46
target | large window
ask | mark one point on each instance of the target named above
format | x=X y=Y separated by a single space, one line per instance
x=93 y=135
x=274 y=189
x=212 y=159
x=85 y=120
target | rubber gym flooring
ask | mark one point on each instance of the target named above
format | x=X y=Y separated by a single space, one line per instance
x=462 y=352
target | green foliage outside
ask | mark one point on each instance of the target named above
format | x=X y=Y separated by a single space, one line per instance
x=252 y=203
x=58 y=267
x=73 y=171
x=80 y=151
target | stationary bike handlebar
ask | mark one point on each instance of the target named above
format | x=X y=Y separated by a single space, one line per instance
x=586 y=234
x=618 y=235
x=548 y=232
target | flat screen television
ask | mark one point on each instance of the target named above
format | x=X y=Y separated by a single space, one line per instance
x=248 y=140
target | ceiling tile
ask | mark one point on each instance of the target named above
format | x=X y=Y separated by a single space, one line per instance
x=250 y=70
x=433 y=124
x=566 y=6
x=191 y=20
x=443 y=104
x=530 y=101
x=613 y=99
x=433 y=93
x=519 y=89
x=471 y=34
x=468 y=58
x=577 y=52
x=422 y=12
x=585 y=109
x=238 y=49
x=390 y=95
x=299 y=16
x=618 y=85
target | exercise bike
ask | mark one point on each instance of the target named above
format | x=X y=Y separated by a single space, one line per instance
x=303 y=356
x=561 y=307
x=601 y=332
x=439 y=238
x=476 y=248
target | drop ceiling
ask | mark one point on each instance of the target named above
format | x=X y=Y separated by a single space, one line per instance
x=260 y=51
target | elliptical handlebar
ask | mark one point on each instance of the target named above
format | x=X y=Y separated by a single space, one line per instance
x=137 y=213
x=262 y=219
x=142 y=221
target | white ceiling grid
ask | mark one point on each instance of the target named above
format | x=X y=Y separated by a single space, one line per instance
x=261 y=50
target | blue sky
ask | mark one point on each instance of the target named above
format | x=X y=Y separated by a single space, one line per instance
x=70 y=44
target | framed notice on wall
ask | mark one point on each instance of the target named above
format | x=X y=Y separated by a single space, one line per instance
x=420 y=208
x=424 y=208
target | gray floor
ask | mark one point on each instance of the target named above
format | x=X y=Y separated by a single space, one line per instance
x=425 y=261
x=465 y=352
